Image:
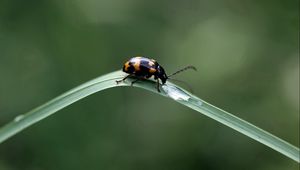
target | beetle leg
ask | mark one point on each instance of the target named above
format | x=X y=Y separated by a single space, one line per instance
x=119 y=81
x=136 y=80
x=157 y=85
x=148 y=76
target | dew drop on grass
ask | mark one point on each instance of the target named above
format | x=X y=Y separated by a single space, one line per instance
x=175 y=93
x=18 y=118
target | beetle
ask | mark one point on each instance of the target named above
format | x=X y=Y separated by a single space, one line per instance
x=143 y=68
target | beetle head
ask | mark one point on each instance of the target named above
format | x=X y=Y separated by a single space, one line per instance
x=161 y=74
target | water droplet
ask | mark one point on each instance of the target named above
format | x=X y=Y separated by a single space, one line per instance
x=175 y=93
x=18 y=118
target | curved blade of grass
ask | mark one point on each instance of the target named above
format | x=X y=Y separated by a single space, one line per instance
x=169 y=90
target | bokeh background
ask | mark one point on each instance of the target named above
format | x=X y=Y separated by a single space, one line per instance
x=247 y=57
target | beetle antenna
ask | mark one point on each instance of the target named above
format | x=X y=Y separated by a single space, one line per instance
x=183 y=69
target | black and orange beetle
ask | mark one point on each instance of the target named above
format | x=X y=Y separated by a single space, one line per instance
x=144 y=68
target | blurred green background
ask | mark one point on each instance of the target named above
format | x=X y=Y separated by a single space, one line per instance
x=247 y=57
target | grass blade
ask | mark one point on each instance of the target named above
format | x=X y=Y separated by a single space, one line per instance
x=169 y=90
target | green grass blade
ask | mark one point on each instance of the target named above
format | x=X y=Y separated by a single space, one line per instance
x=23 y=121
x=169 y=90
x=241 y=126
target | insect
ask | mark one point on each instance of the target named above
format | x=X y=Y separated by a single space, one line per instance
x=143 y=68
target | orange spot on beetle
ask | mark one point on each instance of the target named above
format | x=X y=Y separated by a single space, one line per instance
x=126 y=66
x=136 y=65
x=152 y=70
x=151 y=63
